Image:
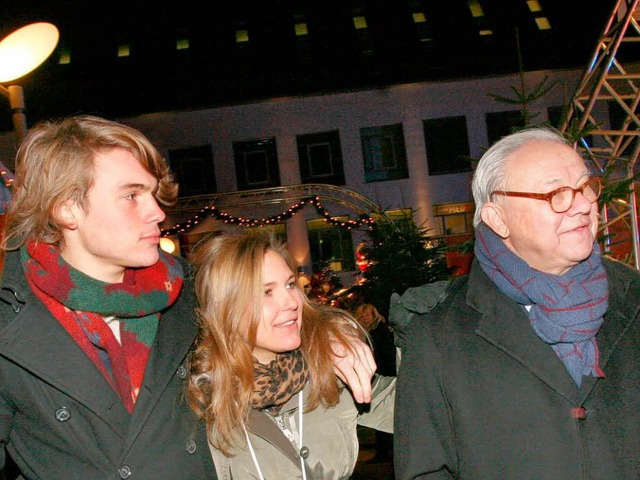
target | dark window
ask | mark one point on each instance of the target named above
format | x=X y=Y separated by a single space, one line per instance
x=330 y=246
x=363 y=34
x=501 y=124
x=256 y=164
x=447 y=144
x=302 y=34
x=320 y=157
x=385 y=157
x=556 y=115
x=193 y=169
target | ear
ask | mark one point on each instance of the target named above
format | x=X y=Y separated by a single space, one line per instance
x=493 y=215
x=65 y=213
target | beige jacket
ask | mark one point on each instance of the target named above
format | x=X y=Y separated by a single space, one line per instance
x=329 y=435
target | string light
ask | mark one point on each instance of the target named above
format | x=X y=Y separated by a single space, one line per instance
x=6 y=191
x=213 y=211
x=7 y=178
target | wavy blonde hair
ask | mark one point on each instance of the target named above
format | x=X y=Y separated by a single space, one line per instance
x=229 y=288
x=377 y=316
x=55 y=163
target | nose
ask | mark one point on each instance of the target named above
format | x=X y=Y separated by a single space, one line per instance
x=156 y=214
x=290 y=299
x=581 y=204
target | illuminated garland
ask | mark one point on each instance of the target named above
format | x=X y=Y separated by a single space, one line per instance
x=7 y=178
x=212 y=211
x=6 y=189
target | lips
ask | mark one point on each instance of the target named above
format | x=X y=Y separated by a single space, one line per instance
x=579 y=227
x=287 y=323
x=152 y=237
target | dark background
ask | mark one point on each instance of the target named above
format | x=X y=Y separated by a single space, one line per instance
x=333 y=57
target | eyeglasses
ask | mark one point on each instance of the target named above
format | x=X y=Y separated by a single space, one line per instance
x=561 y=199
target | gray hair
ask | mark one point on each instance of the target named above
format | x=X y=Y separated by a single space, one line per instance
x=490 y=173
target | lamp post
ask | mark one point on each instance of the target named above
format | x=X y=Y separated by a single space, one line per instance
x=21 y=52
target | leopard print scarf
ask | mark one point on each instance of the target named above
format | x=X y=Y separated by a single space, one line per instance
x=278 y=381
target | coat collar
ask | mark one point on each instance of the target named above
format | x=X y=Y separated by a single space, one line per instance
x=505 y=324
x=35 y=341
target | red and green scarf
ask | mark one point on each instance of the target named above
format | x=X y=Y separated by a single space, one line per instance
x=81 y=304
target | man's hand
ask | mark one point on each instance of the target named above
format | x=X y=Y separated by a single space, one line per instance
x=356 y=370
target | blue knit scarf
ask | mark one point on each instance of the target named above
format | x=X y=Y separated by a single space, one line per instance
x=566 y=310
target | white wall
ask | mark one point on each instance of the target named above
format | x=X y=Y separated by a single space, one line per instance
x=409 y=104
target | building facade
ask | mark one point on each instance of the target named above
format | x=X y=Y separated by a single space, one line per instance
x=405 y=148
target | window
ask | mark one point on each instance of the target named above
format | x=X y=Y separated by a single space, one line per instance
x=330 y=246
x=65 y=56
x=500 y=124
x=422 y=27
x=363 y=33
x=385 y=157
x=256 y=164
x=556 y=115
x=475 y=8
x=242 y=36
x=182 y=44
x=303 y=36
x=124 y=50
x=320 y=157
x=193 y=168
x=301 y=29
x=447 y=144
x=455 y=218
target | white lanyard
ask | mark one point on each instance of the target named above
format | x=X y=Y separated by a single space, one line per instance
x=289 y=435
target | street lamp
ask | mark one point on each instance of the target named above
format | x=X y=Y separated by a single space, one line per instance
x=20 y=53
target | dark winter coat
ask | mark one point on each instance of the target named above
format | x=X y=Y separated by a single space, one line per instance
x=481 y=396
x=384 y=349
x=60 y=419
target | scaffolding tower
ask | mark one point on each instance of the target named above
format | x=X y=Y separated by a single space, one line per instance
x=603 y=118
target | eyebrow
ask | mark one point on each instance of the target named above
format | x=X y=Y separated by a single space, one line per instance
x=291 y=277
x=136 y=186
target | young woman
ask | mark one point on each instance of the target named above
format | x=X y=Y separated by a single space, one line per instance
x=262 y=371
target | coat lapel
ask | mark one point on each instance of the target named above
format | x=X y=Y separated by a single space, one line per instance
x=37 y=342
x=504 y=323
x=620 y=315
x=177 y=331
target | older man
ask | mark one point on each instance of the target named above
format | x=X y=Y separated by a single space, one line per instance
x=528 y=368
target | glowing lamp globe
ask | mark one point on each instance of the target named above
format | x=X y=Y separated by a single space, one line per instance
x=167 y=245
x=25 y=49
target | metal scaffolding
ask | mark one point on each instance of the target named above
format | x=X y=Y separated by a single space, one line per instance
x=264 y=202
x=603 y=116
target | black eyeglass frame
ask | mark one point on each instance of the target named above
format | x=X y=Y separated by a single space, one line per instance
x=549 y=195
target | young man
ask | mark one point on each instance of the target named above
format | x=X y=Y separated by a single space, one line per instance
x=95 y=320
x=527 y=369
